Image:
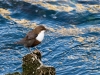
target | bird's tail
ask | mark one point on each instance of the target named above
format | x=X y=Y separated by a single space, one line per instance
x=21 y=42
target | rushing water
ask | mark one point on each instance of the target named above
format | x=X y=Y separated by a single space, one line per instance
x=74 y=47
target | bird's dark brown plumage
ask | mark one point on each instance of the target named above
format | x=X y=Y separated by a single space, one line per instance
x=30 y=39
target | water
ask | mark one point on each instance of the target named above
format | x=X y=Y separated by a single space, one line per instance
x=73 y=44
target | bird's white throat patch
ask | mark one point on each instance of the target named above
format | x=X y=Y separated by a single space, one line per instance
x=40 y=36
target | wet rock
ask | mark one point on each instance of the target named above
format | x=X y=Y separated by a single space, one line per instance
x=44 y=70
x=32 y=65
x=16 y=73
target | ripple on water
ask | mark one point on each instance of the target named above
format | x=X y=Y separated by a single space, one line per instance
x=72 y=46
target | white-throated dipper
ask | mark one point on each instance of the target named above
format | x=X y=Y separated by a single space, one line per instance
x=33 y=37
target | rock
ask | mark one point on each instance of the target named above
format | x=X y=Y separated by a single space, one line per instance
x=32 y=65
x=16 y=73
x=44 y=70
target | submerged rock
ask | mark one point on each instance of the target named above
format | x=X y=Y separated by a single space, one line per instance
x=16 y=73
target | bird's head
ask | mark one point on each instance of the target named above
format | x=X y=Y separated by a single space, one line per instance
x=38 y=29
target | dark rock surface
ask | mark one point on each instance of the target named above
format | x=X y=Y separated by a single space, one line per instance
x=32 y=65
x=16 y=73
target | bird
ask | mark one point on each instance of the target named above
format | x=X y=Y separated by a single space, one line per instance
x=33 y=37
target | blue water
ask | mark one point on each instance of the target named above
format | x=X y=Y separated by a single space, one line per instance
x=64 y=52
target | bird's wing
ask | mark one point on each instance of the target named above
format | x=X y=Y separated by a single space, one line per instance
x=31 y=35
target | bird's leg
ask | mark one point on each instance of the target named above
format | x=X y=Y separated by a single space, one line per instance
x=36 y=48
x=29 y=50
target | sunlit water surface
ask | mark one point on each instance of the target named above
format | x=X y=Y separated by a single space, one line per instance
x=76 y=52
